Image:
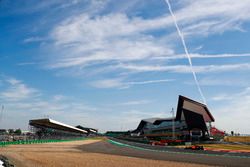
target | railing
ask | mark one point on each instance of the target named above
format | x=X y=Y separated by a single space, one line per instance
x=6 y=143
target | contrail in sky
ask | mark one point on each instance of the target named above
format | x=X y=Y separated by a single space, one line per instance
x=186 y=50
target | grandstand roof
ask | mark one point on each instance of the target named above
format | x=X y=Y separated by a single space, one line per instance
x=87 y=129
x=49 y=123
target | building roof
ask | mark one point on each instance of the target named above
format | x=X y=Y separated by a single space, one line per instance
x=49 y=123
x=148 y=120
x=151 y=120
x=194 y=106
x=184 y=103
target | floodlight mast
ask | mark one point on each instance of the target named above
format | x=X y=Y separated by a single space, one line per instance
x=173 y=125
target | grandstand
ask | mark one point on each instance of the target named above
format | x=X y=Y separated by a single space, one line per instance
x=50 y=129
x=192 y=121
x=90 y=131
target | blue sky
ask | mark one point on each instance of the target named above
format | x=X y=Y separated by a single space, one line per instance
x=109 y=64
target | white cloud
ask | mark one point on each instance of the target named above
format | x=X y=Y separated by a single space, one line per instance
x=13 y=81
x=83 y=28
x=59 y=97
x=150 y=82
x=83 y=39
x=185 y=68
x=234 y=114
x=70 y=111
x=212 y=16
x=231 y=80
x=202 y=56
x=124 y=120
x=221 y=97
x=135 y=102
x=17 y=91
x=89 y=39
x=108 y=83
x=117 y=41
x=24 y=103
x=121 y=84
x=129 y=120
x=26 y=63
x=33 y=39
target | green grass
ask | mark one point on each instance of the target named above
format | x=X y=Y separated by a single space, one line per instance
x=227 y=146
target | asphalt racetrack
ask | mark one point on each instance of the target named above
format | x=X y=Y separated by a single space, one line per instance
x=131 y=149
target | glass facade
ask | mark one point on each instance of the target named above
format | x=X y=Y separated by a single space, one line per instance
x=165 y=128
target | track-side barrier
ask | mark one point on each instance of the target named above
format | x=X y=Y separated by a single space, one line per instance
x=6 y=143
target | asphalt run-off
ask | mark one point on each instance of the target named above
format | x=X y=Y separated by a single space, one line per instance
x=174 y=150
x=132 y=149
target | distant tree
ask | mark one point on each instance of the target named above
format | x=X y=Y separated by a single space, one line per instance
x=18 y=132
x=11 y=131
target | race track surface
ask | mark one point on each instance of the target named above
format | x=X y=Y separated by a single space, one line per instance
x=160 y=153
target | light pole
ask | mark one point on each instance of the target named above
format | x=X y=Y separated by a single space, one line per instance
x=173 y=125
